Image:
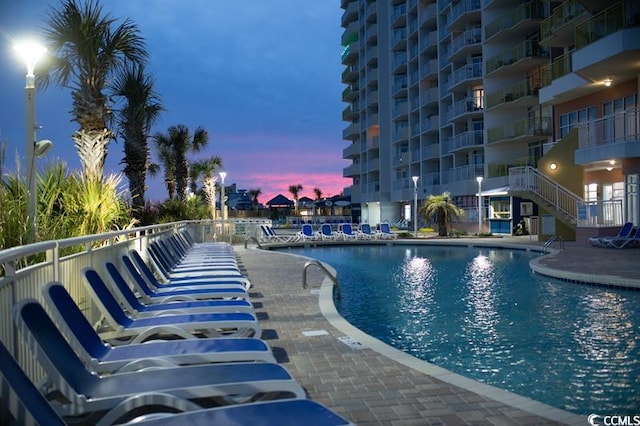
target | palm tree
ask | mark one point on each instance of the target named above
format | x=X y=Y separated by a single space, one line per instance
x=318 y=192
x=295 y=190
x=177 y=142
x=208 y=169
x=88 y=49
x=255 y=193
x=141 y=109
x=438 y=210
x=165 y=155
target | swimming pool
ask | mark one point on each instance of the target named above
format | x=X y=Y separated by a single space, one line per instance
x=482 y=313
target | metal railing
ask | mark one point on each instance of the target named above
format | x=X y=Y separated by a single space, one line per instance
x=621 y=127
x=336 y=283
x=529 y=179
x=62 y=261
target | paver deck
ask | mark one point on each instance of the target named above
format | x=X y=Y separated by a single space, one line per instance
x=370 y=384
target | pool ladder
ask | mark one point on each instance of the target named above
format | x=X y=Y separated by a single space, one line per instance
x=336 y=283
x=552 y=240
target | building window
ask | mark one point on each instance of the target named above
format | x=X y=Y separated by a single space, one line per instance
x=571 y=119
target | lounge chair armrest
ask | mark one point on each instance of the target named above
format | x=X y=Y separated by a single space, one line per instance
x=146 y=399
x=145 y=363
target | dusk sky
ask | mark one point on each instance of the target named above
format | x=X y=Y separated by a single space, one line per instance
x=262 y=77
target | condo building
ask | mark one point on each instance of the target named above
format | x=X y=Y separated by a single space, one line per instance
x=519 y=110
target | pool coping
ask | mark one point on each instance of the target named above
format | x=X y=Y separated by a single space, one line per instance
x=330 y=313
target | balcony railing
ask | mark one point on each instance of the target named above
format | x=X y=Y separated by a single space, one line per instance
x=469 y=71
x=465 y=6
x=526 y=49
x=561 y=16
x=465 y=140
x=462 y=173
x=531 y=10
x=622 y=127
x=605 y=23
x=526 y=87
x=464 y=106
x=467 y=38
x=560 y=66
x=540 y=126
x=600 y=213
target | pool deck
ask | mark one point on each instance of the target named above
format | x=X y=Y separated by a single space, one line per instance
x=371 y=383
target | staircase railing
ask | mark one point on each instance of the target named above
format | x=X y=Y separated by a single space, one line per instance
x=529 y=179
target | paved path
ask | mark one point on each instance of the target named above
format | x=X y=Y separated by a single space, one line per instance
x=371 y=388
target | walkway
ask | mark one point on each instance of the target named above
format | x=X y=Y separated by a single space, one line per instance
x=349 y=371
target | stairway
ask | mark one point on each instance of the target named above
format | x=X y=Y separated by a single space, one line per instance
x=527 y=182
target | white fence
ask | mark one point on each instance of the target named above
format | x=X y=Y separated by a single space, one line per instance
x=19 y=282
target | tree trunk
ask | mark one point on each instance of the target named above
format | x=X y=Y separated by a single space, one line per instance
x=92 y=150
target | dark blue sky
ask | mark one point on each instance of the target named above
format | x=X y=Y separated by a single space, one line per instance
x=263 y=77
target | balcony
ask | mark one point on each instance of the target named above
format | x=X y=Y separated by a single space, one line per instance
x=350 y=35
x=466 y=140
x=349 y=113
x=609 y=21
x=372 y=76
x=523 y=93
x=372 y=165
x=351 y=171
x=525 y=130
x=431 y=124
x=350 y=93
x=462 y=13
x=559 y=67
x=430 y=152
x=464 y=108
x=468 y=39
x=429 y=15
x=458 y=174
x=399 y=16
x=429 y=42
x=350 y=14
x=400 y=134
x=400 y=110
x=352 y=151
x=616 y=136
x=521 y=21
x=352 y=132
x=350 y=53
x=522 y=57
x=372 y=98
x=466 y=73
x=557 y=29
x=429 y=96
x=401 y=160
x=350 y=74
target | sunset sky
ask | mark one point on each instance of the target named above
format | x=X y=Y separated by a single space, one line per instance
x=262 y=77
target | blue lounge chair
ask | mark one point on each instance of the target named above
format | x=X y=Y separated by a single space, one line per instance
x=385 y=232
x=624 y=232
x=326 y=233
x=149 y=292
x=101 y=357
x=170 y=271
x=180 y=285
x=85 y=391
x=277 y=413
x=306 y=233
x=347 y=232
x=631 y=241
x=127 y=298
x=121 y=325
x=270 y=236
x=27 y=406
x=366 y=232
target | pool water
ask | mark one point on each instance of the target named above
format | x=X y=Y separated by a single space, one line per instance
x=482 y=313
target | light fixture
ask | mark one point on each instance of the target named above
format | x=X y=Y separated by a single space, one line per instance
x=30 y=52
x=42 y=147
x=479 y=179
x=608 y=82
x=553 y=166
x=415 y=205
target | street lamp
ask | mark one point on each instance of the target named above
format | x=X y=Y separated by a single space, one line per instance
x=415 y=205
x=223 y=206
x=479 y=179
x=30 y=53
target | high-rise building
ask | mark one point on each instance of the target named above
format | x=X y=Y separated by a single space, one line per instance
x=449 y=91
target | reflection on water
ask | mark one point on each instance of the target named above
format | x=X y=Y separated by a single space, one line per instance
x=483 y=314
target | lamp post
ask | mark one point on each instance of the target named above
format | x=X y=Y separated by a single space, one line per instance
x=30 y=53
x=479 y=179
x=223 y=206
x=415 y=205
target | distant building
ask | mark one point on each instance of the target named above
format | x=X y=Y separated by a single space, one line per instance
x=453 y=90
